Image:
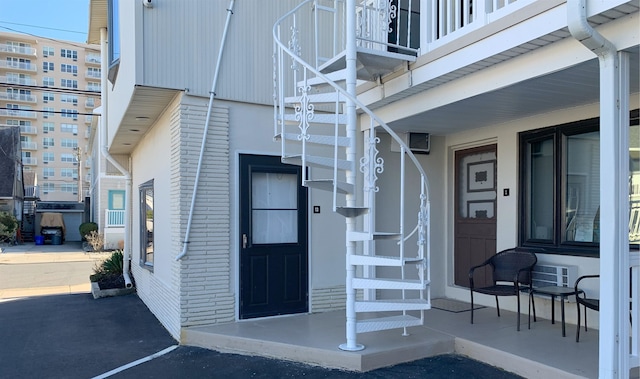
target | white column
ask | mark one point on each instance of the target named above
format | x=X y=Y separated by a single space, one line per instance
x=614 y=216
x=351 y=344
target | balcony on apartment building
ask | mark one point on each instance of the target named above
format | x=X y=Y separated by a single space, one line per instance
x=18 y=97
x=14 y=80
x=92 y=74
x=31 y=191
x=88 y=119
x=17 y=50
x=93 y=88
x=90 y=103
x=17 y=66
x=28 y=145
x=29 y=161
x=28 y=129
x=20 y=113
x=93 y=59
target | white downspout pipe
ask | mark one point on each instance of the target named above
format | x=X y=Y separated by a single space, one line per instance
x=212 y=95
x=104 y=66
x=614 y=193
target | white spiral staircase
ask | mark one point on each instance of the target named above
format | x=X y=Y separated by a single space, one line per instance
x=316 y=112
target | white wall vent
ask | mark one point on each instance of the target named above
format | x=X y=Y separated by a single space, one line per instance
x=545 y=274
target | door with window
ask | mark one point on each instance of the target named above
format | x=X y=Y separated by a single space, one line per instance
x=273 y=238
x=475 y=212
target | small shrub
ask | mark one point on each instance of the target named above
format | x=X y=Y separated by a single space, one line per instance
x=111 y=266
x=8 y=226
x=86 y=228
x=96 y=240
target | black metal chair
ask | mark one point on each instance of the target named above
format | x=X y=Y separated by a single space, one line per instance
x=586 y=302
x=510 y=269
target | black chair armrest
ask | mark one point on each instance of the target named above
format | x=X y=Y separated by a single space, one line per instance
x=472 y=269
x=575 y=287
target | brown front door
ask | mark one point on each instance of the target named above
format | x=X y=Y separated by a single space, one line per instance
x=475 y=210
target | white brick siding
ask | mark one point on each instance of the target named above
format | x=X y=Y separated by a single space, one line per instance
x=206 y=293
x=328 y=299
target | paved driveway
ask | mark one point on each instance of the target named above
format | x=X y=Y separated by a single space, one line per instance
x=75 y=336
x=56 y=333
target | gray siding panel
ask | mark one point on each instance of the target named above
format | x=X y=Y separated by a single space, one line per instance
x=182 y=41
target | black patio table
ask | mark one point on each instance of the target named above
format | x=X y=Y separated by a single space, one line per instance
x=563 y=293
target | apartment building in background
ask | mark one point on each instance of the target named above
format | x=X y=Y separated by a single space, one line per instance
x=49 y=88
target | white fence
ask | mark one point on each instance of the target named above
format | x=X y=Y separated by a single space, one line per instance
x=113 y=218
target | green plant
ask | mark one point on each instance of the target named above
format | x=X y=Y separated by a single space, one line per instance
x=8 y=226
x=111 y=266
x=86 y=228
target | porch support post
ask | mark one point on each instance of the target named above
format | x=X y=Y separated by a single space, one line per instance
x=614 y=216
x=350 y=57
x=614 y=193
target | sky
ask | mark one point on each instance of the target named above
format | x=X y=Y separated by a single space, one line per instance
x=65 y=20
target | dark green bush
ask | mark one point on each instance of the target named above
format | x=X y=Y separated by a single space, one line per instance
x=86 y=228
x=111 y=266
x=8 y=226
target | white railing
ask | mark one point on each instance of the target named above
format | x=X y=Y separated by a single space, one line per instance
x=28 y=129
x=14 y=80
x=113 y=218
x=6 y=48
x=31 y=191
x=634 y=262
x=29 y=161
x=18 y=66
x=92 y=74
x=17 y=97
x=17 y=113
x=395 y=25
x=93 y=59
x=29 y=145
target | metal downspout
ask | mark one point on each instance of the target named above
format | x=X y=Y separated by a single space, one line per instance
x=614 y=194
x=212 y=95
x=126 y=257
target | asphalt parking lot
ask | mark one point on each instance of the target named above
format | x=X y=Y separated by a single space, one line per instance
x=74 y=336
x=55 y=329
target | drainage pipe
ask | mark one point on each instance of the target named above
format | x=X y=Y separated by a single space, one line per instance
x=126 y=257
x=614 y=194
x=212 y=95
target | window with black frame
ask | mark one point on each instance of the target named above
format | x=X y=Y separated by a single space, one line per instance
x=560 y=187
x=146 y=224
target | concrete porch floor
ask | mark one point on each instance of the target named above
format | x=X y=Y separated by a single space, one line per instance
x=539 y=352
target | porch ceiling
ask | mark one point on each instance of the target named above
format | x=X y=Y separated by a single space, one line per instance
x=145 y=107
x=578 y=85
x=98 y=11
x=574 y=86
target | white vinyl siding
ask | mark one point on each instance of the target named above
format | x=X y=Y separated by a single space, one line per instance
x=203 y=23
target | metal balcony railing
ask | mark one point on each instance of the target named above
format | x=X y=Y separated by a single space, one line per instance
x=14 y=80
x=18 y=97
x=6 y=48
x=28 y=129
x=27 y=145
x=22 y=66
x=18 y=113
x=28 y=161
x=92 y=74
x=93 y=59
